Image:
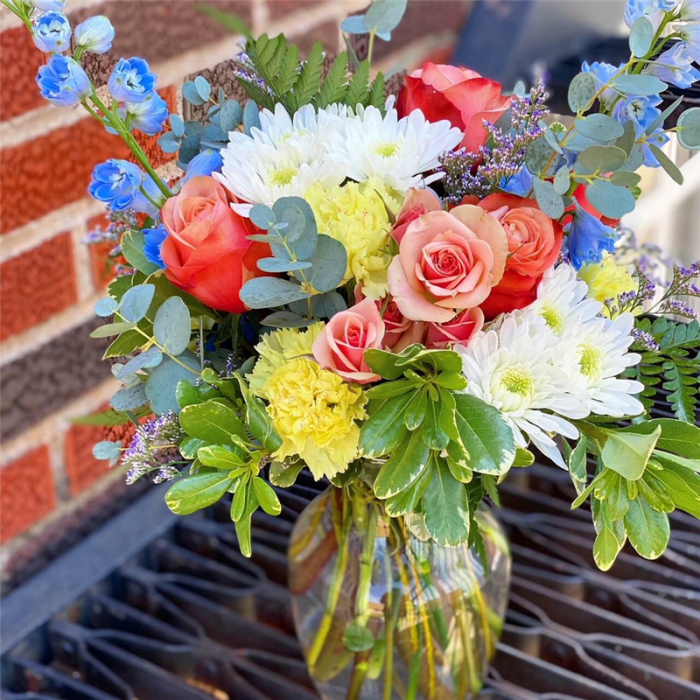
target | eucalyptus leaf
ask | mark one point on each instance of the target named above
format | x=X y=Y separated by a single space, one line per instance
x=385 y=15
x=604 y=159
x=659 y=121
x=161 y=387
x=287 y=319
x=230 y=116
x=111 y=329
x=610 y=200
x=106 y=307
x=263 y=217
x=130 y=398
x=136 y=301
x=172 y=326
x=666 y=163
x=149 y=358
x=329 y=263
x=355 y=24
x=177 y=125
x=251 y=116
x=599 y=127
x=582 y=92
x=642 y=85
x=689 y=129
x=203 y=87
x=548 y=200
x=190 y=93
x=641 y=37
x=269 y=292
x=562 y=180
x=106 y=449
x=541 y=159
x=282 y=265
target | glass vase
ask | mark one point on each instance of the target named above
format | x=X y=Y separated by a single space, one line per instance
x=384 y=613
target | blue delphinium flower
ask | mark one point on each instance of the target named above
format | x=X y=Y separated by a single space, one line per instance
x=690 y=12
x=588 y=238
x=52 y=32
x=602 y=73
x=675 y=66
x=63 y=81
x=95 y=35
x=116 y=182
x=155 y=237
x=132 y=80
x=653 y=10
x=147 y=116
x=47 y=5
x=205 y=163
x=643 y=111
x=690 y=33
x=520 y=184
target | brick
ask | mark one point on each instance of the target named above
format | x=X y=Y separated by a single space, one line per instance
x=36 y=285
x=51 y=171
x=20 y=62
x=46 y=379
x=180 y=27
x=82 y=468
x=27 y=493
x=327 y=33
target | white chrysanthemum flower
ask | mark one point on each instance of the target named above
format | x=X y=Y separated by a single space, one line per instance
x=517 y=371
x=284 y=157
x=562 y=301
x=397 y=151
x=596 y=354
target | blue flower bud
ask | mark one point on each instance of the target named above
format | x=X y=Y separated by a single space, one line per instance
x=95 y=34
x=155 y=237
x=132 y=80
x=147 y=116
x=653 y=10
x=588 y=238
x=47 y=5
x=204 y=163
x=118 y=183
x=63 y=81
x=52 y=32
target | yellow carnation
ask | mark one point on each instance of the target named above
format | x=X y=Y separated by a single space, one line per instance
x=356 y=216
x=314 y=411
x=606 y=279
x=277 y=348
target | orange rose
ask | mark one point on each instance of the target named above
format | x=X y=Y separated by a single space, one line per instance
x=534 y=244
x=460 y=95
x=447 y=262
x=206 y=252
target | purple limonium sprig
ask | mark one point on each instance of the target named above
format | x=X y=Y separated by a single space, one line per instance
x=503 y=157
x=152 y=449
x=676 y=307
x=244 y=70
x=645 y=341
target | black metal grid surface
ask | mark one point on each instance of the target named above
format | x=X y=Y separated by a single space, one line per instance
x=171 y=611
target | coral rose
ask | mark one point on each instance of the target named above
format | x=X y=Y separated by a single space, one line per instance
x=534 y=244
x=460 y=95
x=206 y=252
x=417 y=202
x=458 y=331
x=341 y=347
x=447 y=263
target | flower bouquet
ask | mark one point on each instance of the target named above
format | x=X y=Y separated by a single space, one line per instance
x=406 y=295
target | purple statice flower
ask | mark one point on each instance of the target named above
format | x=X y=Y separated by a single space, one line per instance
x=645 y=340
x=152 y=447
x=677 y=307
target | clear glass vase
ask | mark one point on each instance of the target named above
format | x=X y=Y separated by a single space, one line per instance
x=382 y=613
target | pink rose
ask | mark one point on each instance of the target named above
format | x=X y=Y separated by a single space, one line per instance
x=447 y=262
x=417 y=202
x=400 y=331
x=458 y=331
x=341 y=347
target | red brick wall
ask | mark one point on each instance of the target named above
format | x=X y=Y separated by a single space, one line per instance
x=50 y=371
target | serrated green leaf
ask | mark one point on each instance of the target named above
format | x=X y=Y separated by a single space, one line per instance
x=358 y=90
x=310 y=77
x=377 y=96
x=335 y=85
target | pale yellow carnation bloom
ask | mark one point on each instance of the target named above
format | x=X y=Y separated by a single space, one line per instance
x=356 y=215
x=277 y=348
x=607 y=279
x=314 y=411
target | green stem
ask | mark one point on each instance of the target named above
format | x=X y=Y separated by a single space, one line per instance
x=370 y=50
x=157 y=205
x=118 y=125
x=391 y=612
x=341 y=565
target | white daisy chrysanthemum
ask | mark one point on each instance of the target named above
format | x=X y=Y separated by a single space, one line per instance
x=284 y=157
x=562 y=301
x=517 y=372
x=596 y=355
x=397 y=151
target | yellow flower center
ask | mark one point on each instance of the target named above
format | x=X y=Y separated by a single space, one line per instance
x=283 y=176
x=552 y=319
x=591 y=361
x=518 y=381
x=387 y=150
